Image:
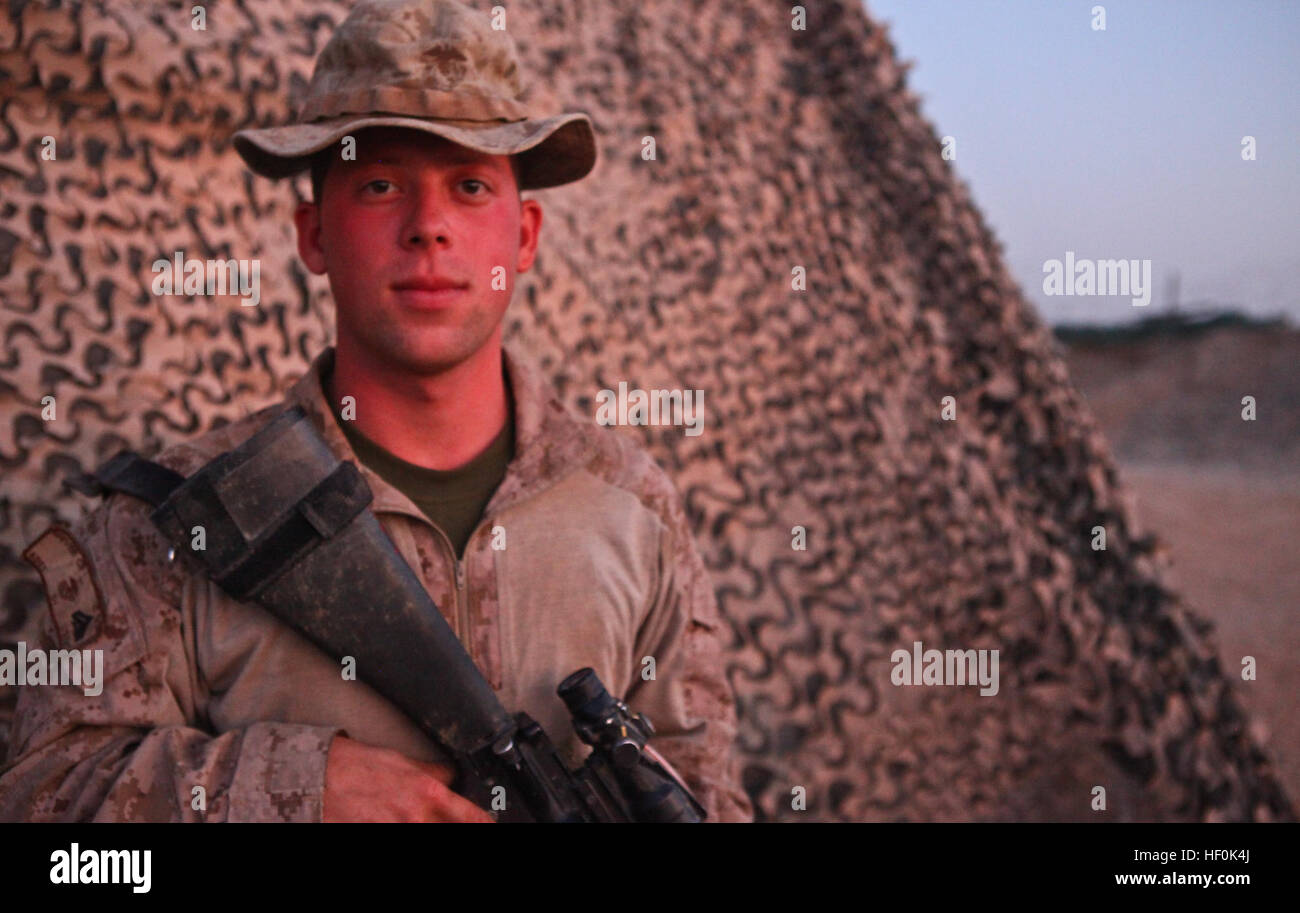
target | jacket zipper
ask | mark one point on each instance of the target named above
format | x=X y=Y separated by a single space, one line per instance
x=462 y=594
x=462 y=597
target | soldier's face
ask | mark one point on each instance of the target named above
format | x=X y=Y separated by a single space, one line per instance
x=413 y=212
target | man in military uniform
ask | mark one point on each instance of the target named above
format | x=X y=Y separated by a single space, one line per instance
x=548 y=543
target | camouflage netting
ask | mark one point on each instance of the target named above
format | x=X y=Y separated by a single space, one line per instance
x=775 y=149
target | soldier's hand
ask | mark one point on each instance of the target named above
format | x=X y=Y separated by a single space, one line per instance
x=365 y=783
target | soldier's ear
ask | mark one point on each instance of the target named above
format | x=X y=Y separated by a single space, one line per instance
x=530 y=231
x=306 y=219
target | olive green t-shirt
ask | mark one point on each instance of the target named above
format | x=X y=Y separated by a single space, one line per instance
x=452 y=498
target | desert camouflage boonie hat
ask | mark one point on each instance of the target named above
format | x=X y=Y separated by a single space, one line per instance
x=431 y=65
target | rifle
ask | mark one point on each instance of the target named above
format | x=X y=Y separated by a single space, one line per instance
x=287 y=526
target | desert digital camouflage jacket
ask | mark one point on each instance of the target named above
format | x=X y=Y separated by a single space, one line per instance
x=201 y=690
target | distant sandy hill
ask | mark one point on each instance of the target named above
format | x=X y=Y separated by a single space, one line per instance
x=1222 y=494
x=1169 y=389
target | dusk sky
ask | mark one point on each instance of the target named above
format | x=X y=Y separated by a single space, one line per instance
x=1123 y=143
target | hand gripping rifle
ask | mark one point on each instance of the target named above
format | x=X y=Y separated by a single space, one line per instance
x=287 y=526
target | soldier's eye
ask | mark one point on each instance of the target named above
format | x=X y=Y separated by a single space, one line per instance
x=386 y=184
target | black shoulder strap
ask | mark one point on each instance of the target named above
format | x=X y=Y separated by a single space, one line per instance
x=130 y=473
x=243 y=567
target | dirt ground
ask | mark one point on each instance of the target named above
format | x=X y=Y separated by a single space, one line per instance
x=1233 y=537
